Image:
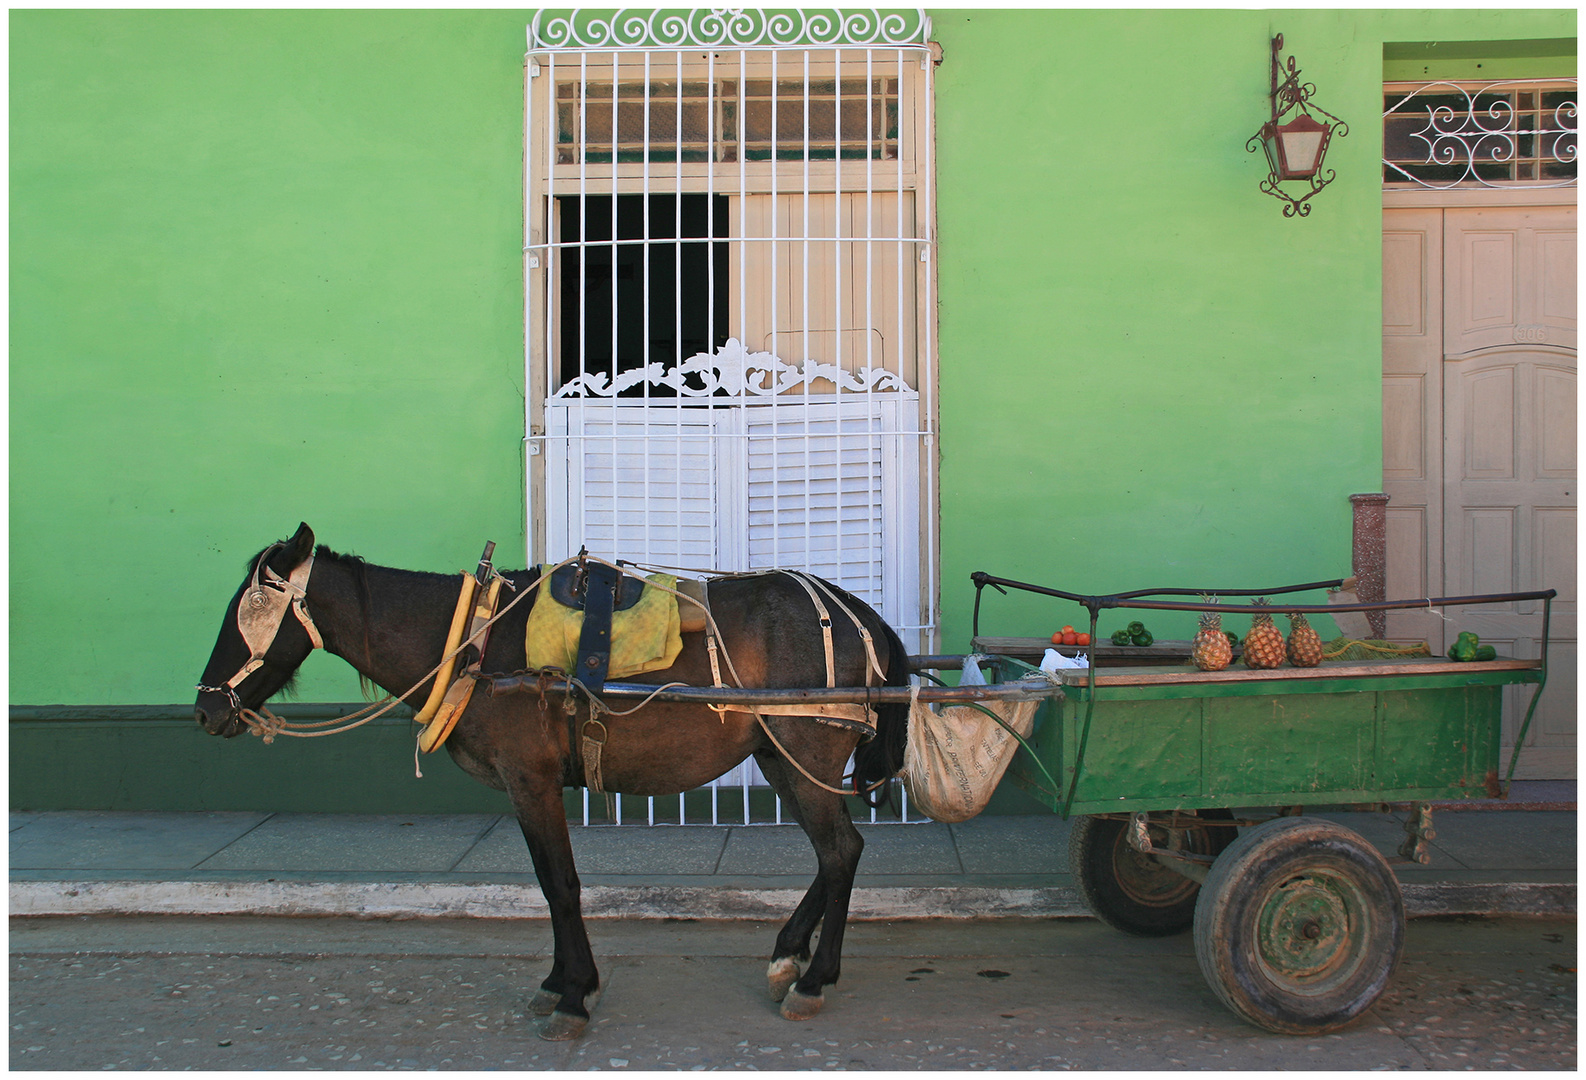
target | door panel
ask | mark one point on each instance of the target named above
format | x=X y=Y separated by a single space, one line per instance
x=1512 y=272
x=1479 y=374
x=1556 y=269
x=1412 y=415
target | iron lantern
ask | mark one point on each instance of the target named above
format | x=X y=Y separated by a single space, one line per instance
x=1295 y=150
x=1296 y=147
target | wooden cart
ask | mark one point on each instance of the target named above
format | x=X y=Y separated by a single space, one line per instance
x=1188 y=788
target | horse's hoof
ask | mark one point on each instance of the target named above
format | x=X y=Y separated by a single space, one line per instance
x=797 y=1006
x=563 y=1026
x=780 y=976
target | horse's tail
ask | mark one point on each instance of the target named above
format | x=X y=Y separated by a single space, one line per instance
x=878 y=761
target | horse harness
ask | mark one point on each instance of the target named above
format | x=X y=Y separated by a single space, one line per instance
x=597 y=587
x=600 y=589
x=591 y=734
x=261 y=612
x=466 y=637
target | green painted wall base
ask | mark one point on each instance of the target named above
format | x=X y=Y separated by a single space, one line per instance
x=171 y=764
x=154 y=758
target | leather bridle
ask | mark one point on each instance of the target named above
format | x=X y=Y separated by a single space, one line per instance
x=261 y=612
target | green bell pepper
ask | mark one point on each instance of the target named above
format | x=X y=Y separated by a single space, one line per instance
x=1464 y=648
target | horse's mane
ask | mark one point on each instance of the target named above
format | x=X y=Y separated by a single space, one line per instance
x=360 y=575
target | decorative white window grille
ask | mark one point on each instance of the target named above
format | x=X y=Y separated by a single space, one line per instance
x=1500 y=134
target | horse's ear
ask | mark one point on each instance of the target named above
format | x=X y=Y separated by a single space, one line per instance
x=301 y=546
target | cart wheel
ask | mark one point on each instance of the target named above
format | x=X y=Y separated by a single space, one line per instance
x=1299 y=925
x=1133 y=892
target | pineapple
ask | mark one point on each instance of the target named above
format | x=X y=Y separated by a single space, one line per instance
x=1264 y=643
x=1211 y=651
x=1305 y=644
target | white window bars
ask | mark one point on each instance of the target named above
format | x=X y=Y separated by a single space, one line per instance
x=1497 y=134
x=730 y=316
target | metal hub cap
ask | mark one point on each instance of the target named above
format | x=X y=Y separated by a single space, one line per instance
x=1309 y=930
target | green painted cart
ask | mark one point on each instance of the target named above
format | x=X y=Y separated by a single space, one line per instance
x=1187 y=790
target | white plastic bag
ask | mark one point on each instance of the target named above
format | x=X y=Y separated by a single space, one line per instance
x=1056 y=661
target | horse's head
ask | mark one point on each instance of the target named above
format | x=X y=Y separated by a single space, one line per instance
x=260 y=648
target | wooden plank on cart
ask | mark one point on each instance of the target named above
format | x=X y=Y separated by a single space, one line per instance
x=1180 y=676
x=1107 y=654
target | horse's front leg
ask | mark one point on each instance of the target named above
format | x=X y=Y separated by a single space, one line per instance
x=572 y=987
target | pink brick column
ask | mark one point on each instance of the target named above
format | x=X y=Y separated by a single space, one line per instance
x=1370 y=555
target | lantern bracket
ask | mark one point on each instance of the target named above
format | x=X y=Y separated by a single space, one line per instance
x=1293 y=124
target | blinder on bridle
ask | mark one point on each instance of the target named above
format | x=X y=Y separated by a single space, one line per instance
x=261 y=611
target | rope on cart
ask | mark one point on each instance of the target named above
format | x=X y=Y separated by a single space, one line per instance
x=1346 y=648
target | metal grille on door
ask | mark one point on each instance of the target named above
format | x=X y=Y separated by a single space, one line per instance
x=729 y=268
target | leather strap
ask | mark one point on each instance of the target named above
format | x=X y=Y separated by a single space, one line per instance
x=590 y=748
x=594 y=640
x=810 y=584
x=826 y=624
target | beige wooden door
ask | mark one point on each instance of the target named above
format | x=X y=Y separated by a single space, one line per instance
x=1479 y=368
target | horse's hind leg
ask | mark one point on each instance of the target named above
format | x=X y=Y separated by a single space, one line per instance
x=793 y=941
x=824 y=818
x=572 y=987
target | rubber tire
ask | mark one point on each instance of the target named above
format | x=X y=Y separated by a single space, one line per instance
x=1252 y=919
x=1127 y=890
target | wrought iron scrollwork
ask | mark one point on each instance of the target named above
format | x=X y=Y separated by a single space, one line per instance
x=1300 y=205
x=725 y=28
x=1292 y=94
x=1500 y=134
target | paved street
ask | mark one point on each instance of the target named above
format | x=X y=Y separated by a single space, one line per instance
x=339 y=993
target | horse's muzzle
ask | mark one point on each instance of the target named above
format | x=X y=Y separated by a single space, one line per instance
x=222 y=719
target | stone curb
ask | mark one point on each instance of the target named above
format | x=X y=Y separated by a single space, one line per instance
x=390 y=900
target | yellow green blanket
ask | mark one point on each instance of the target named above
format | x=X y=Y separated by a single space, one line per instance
x=644 y=638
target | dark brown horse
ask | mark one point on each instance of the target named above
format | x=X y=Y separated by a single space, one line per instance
x=391 y=626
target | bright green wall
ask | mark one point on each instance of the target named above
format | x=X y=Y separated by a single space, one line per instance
x=1149 y=376
x=1411 y=61
x=264 y=268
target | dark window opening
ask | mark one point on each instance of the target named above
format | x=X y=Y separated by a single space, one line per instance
x=677 y=261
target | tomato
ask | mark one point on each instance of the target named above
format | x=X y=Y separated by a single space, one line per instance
x=1066 y=630
x=1081 y=639
x=1070 y=638
x=1057 y=638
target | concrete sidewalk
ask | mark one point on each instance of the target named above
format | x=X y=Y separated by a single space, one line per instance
x=1517 y=857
